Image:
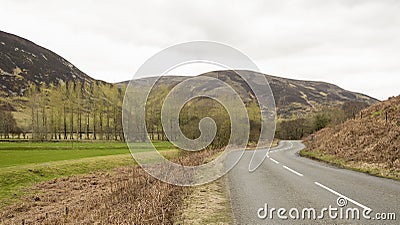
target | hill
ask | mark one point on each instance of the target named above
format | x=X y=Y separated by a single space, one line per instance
x=369 y=142
x=291 y=96
x=22 y=63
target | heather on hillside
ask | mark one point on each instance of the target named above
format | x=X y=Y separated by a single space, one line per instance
x=372 y=139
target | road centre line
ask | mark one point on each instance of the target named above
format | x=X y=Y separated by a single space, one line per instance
x=273 y=160
x=293 y=171
x=282 y=148
x=317 y=183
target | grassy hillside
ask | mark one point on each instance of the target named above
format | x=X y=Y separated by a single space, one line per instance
x=292 y=97
x=370 y=142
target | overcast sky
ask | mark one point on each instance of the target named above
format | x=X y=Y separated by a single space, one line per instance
x=352 y=43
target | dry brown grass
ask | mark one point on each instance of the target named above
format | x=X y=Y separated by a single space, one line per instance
x=207 y=204
x=371 y=140
x=124 y=196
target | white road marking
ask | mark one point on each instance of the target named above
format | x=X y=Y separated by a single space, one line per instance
x=319 y=184
x=278 y=149
x=340 y=195
x=273 y=160
x=293 y=171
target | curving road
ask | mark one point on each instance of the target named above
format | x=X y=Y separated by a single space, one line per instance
x=296 y=184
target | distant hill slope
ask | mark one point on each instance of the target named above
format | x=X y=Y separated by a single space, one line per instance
x=371 y=140
x=23 y=62
x=291 y=96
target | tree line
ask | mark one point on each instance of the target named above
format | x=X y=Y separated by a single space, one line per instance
x=79 y=110
x=299 y=127
x=189 y=119
x=76 y=110
x=8 y=125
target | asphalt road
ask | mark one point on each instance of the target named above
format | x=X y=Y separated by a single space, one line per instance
x=296 y=184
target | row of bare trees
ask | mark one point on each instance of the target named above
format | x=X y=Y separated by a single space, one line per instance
x=79 y=110
x=76 y=110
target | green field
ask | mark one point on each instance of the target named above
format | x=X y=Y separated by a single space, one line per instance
x=12 y=154
x=25 y=164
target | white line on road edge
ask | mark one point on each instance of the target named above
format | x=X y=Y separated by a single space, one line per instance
x=340 y=195
x=273 y=160
x=293 y=171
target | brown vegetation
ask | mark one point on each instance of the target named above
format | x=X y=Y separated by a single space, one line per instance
x=371 y=139
x=207 y=204
x=125 y=196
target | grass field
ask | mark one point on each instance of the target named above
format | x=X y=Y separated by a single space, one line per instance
x=25 y=164
x=13 y=154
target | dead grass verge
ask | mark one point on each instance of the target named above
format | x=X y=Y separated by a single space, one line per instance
x=375 y=169
x=123 y=196
x=207 y=204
